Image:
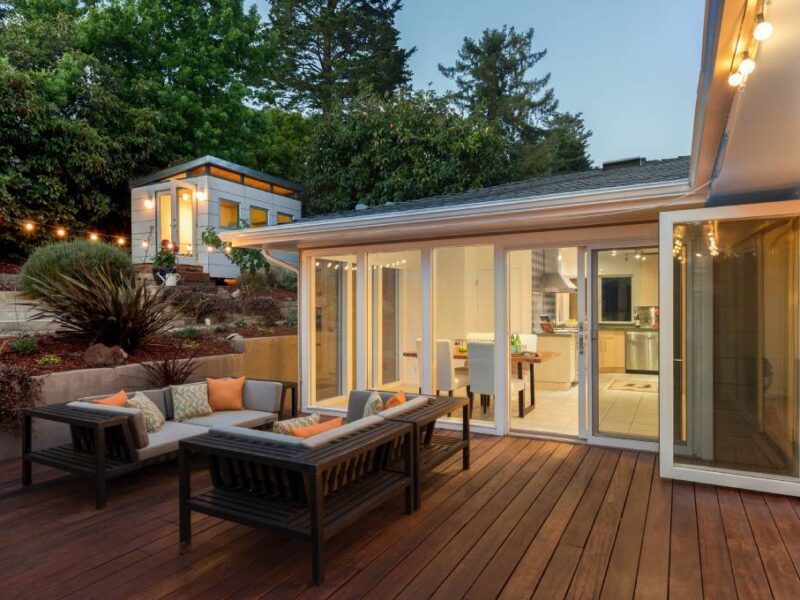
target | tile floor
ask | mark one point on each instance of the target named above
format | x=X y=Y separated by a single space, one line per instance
x=621 y=412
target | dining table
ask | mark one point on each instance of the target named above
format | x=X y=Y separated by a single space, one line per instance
x=518 y=359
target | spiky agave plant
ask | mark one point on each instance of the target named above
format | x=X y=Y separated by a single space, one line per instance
x=171 y=371
x=112 y=309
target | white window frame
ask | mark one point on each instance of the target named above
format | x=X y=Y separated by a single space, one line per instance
x=700 y=473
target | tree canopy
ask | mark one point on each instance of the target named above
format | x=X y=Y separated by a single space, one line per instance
x=94 y=93
x=330 y=50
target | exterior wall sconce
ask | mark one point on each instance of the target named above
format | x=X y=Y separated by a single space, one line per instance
x=149 y=204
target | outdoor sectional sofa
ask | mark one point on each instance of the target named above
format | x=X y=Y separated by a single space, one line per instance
x=108 y=441
x=313 y=488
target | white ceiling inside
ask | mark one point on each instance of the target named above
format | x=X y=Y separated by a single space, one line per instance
x=763 y=150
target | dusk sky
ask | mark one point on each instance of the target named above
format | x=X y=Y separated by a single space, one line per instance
x=630 y=66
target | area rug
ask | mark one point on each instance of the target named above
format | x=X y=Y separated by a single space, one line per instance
x=632 y=385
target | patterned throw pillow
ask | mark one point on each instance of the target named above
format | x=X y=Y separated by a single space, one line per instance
x=286 y=426
x=153 y=419
x=374 y=404
x=190 y=400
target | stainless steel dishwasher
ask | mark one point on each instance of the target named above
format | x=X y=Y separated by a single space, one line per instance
x=641 y=351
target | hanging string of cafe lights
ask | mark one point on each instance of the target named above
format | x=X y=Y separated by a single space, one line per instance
x=30 y=227
x=743 y=61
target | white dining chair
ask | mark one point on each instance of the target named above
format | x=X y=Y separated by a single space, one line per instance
x=481 y=374
x=449 y=378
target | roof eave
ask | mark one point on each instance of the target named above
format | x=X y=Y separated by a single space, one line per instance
x=637 y=197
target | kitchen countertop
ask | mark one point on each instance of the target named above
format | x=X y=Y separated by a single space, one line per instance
x=603 y=327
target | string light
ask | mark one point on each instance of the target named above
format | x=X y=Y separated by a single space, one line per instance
x=61 y=232
x=764 y=28
x=120 y=241
x=93 y=237
x=210 y=249
x=29 y=226
x=748 y=65
x=145 y=243
x=227 y=249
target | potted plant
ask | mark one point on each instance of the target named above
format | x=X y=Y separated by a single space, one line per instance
x=164 y=262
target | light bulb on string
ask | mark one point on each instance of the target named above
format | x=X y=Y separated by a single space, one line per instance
x=93 y=237
x=29 y=227
x=120 y=241
x=748 y=65
x=61 y=232
x=764 y=28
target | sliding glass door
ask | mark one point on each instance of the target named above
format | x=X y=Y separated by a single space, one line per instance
x=732 y=398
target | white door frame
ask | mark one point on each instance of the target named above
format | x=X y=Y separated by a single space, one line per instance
x=593 y=435
x=700 y=473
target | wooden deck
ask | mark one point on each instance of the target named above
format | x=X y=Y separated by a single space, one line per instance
x=530 y=519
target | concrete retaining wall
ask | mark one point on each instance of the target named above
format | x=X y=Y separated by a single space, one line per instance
x=264 y=358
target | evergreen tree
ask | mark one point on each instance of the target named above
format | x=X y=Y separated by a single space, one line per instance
x=492 y=80
x=330 y=50
x=491 y=76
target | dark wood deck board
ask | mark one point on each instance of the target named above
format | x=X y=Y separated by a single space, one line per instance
x=529 y=519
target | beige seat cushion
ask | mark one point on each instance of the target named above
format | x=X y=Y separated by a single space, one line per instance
x=237 y=418
x=258 y=436
x=166 y=440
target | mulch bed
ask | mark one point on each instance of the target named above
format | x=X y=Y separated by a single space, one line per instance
x=70 y=351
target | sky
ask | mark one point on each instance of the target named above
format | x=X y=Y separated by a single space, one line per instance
x=630 y=66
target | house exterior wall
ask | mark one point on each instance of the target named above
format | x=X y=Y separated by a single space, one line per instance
x=209 y=192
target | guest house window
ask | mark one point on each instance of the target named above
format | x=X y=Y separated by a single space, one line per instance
x=615 y=298
x=284 y=218
x=258 y=216
x=228 y=214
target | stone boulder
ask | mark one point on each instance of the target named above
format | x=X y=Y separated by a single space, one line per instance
x=100 y=355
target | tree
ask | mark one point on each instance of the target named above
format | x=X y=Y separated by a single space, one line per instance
x=412 y=145
x=492 y=80
x=569 y=139
x=491 y=76
x=68 y=141
x=330 y=50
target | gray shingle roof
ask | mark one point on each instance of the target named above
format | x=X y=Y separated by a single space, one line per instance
x=652 y=171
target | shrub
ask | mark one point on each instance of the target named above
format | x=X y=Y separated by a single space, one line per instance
x=113 y=309
x=188 y=333
x=200 y=305
x=170 y=371
x=265 y=308
x=291 y=318
x=78 y=259
x=18 y=390
x=23 y=345
x=167 y=255
x=286 y=279
x=47 y=360
x=240 y=323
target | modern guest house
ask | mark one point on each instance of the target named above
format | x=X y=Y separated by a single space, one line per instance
x=178 y=203
x=648 y=304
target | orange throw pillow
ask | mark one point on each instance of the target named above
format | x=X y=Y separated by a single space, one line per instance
x=225 y=394
x=118 y=399
x=309 y=430
x=396 y=400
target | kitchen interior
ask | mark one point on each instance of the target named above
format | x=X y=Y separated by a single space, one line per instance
x=626 y=342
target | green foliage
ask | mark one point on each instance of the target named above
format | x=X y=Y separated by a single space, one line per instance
x=48 y=360
x=240 y=323
x=170 y=371
x=410 y=146
x=247 y=259
x=291 y=318
x=188 y=333
x=329 y=51
x=24 y=345
x=78 y=259
x=18 y=391
x=199 y=305
x=112 y=309
x=263 y=307
x=166 y=257
x=70 y=142
x=491 y=77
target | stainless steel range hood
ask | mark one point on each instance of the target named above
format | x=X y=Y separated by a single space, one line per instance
x=556 y=282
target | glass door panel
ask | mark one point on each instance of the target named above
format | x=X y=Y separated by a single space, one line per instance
x=333 y=334
x=185 y=237
x=545 y=351
x=165 y=217
x=626 y=349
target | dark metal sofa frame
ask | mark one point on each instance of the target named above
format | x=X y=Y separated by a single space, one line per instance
x=311 y=493
x=102 y=447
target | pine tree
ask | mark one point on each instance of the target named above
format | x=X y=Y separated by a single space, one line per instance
x=330 y=50
x=491 y=76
